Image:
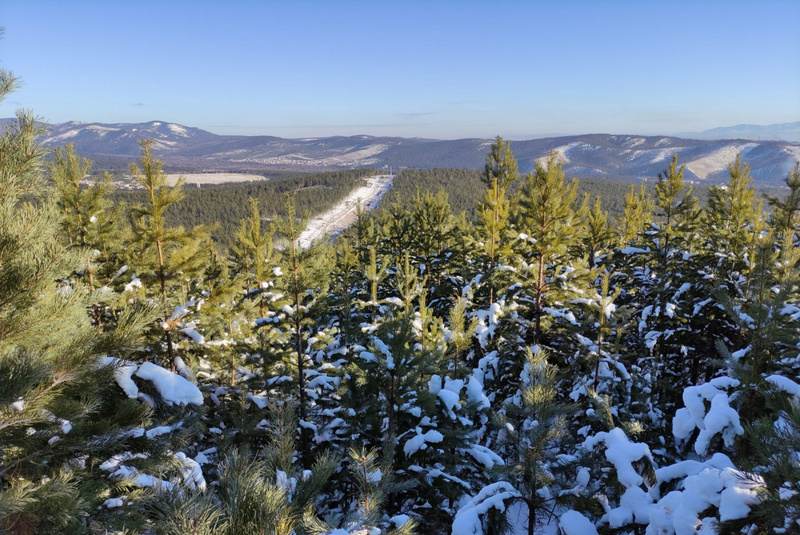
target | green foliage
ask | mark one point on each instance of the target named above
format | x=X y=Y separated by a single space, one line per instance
x=539 y=427
x=227 y=205
x=253 y=248
x=786 y=213
x=733 y=214
x=380 y=386
x=597 y=235
x=163 y=255
x=679 y=210
x=60 y=416
x=494 y=210
x=372 y=482
x=304 y=284
x=772 y=468
x=548 y=219
x=636 y=216
x=178 y=512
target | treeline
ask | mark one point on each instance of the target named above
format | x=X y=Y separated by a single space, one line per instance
x=464 y=189
x=541 y=366
x=226 y=205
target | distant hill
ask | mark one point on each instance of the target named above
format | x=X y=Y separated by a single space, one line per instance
x=625 y=157
x=773 y=132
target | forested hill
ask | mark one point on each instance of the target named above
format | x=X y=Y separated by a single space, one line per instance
x=186 y=149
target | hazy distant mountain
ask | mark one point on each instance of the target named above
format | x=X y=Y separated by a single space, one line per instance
x=114 y=146
x=774 y=132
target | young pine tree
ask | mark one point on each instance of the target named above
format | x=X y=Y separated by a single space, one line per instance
x=500 y=172
x=786 y=212
x=538 y=433
x=167 y=255
x=732 y=214
x=667 y=286
x=597 y=234
x=636 y=216
x=304 y=284
x=547 y=215
x=45 y=342
x=89 y=220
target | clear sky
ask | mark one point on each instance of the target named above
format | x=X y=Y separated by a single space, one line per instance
x=438 y=69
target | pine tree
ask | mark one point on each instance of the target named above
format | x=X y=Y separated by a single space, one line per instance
x=536 y=426
x=46 y=342
x=165 y=254
x=375 y=272
x=346 y=285
x=786 y=213
x=459 y=334
x=89 y=220
x=772 y=468
x=679 y=211
x=433 y=239
x=373 y=482
x=90 y=223
x=179 y=512
x=252 y=252
x=304 y=283
x=253 y=261
x=547 y=216
x=764 y=320
x=732 y=214
x=669 y=291
x=597 y=233
x=636 y=217
x=500 y=172
x=396 y=231
x=62 y=414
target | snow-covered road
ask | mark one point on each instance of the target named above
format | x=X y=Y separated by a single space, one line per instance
x=343 y=214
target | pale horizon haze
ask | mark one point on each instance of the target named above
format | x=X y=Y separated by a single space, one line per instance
x=434 y=69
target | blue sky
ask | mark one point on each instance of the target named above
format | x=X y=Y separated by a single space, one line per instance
x=439 y=69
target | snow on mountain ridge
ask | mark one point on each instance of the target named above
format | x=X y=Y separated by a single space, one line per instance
x=718 y=160
x=615 y=156
x=178 y=130
x=781 y=132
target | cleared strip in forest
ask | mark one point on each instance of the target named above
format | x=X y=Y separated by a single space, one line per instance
x=343 y=214
x=213 y=178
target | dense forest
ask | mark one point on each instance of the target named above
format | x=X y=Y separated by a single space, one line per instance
x=465 y=187
x=225 y=205
x=539 y=367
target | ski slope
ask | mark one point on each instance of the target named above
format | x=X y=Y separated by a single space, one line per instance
x=343 y=215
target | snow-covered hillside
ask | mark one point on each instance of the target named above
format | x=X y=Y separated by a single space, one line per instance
x=592 y=155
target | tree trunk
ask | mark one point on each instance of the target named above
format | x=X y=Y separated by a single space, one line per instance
x=539 y=299
x=163 y=280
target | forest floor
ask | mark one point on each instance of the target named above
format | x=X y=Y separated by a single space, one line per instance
x=343 y=215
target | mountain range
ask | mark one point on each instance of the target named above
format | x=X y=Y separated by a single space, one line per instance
x=774 y=132
x=626 y=157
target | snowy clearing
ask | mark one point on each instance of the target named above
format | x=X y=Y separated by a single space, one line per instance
x=343 y=214
x=213 y=178
x=347 y=157
x=562 y=152
x=717 y=160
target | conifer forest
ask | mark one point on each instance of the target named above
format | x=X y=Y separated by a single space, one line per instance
x=526 y=365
